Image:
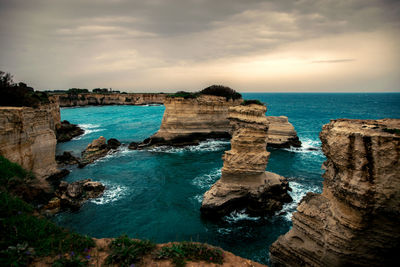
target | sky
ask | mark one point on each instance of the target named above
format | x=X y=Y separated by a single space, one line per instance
x=171 y=45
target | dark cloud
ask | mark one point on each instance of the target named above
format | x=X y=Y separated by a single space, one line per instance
x=73 y=39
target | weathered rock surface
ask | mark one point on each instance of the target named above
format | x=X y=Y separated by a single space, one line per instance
x=355 y=221
x=97 y=149
x=66 y=158
x=189 y=121
x=27 y=137
x=281 y=133
x=67 y=131
x=72 y=100
x=244 y=182
x=73 y=195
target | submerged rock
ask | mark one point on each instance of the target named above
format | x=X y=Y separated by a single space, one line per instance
x=355 y=221
x=67 y=131
x=244 y=182
x=97 y=149
x=281 y=133
x=72 y=196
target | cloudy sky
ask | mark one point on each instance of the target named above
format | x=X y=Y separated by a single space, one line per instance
x=169 y=45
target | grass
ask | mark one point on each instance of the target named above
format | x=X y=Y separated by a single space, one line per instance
x=24 y=236
x=251 y=101
x=392 y=131
x=181 y=252
x=126 y=251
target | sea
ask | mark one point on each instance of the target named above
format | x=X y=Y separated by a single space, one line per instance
x=156 y=193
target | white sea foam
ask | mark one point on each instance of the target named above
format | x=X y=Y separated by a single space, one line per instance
x=121 y=151
x=307 y=146
x=111 y=193
x=205 y=181
x=198 y=198
x=88 y=128
x=240 y=215
x=208 y=146
x=298 y=192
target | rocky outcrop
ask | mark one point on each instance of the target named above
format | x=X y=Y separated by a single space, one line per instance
x=188 y=121
x=244 y=182
x=67 y=131
x=281 y=133
x=73 y=195
x=66 y=158
x=97 y=149
x=72 y=100
x=27 y=137
x=355 y=221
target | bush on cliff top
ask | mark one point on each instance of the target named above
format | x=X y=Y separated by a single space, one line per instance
x=19 y=95
x=251 y=101
x=216 y=90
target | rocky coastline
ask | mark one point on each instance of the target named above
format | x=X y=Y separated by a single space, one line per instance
x=354 y=222
x=244 y=182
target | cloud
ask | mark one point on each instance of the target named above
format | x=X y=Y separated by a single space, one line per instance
x=334 y=60
x=125 y=44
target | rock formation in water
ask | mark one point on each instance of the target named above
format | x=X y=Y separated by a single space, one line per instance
x=72 y=100
x=191 y=120
x=281 y=133
x=355 y=221
x=97 y=149
x=244 y=182
x=66 y=158
x=67 y=131
x=73 y=195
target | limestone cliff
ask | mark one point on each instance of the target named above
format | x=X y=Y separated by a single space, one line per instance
x=187 y=121
x=72 y=100
x=281 y=133
x=27 y=137
x=244 y=182
x=355 y=221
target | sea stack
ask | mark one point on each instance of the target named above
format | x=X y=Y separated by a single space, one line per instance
x=355 y=221
x=281 y=133
x=244 y=182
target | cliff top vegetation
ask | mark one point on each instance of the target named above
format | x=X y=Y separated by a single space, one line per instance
x=216 y=90
x=250 y=102
x=19 y=94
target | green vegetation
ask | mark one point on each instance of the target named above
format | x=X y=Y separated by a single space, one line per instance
x=216 y=90
x=392 y=131
x=75 y=91
x=220 y=90
x=185 y=95
x=19 y=95
x=24 y=236
x=251 y=101
x=181 y=252
x=125 y=251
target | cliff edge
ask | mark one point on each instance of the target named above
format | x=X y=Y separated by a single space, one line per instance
x=281 y=133
x=355 y=221
x=244 y=182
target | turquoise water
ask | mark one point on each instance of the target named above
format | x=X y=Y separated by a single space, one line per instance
x=156 y=193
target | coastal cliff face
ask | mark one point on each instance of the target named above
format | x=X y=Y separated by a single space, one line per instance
x=187 y=121
x=355 y=221
x=27 y=137
x=281 y=133
x=244 y=182
x=71 y=100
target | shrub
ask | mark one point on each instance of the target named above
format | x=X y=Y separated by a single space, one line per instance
x=392 y=131
x=185 y=95
x=179 y=253
x=12 y=172
x=220 y=90
x=125 y=251
x=251 y=101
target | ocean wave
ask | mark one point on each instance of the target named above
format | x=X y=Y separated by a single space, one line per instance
x=89 y=128
x=298 y=192
x=198 y=198
x=240 y=215
x=307 y=146
x=112 y=193
x=121 y=151
x=204 y=146
x=205 y=181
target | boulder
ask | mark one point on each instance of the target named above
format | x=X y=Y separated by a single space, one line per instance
x=67 y=131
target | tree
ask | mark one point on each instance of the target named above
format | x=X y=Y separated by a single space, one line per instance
x=6 y=79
